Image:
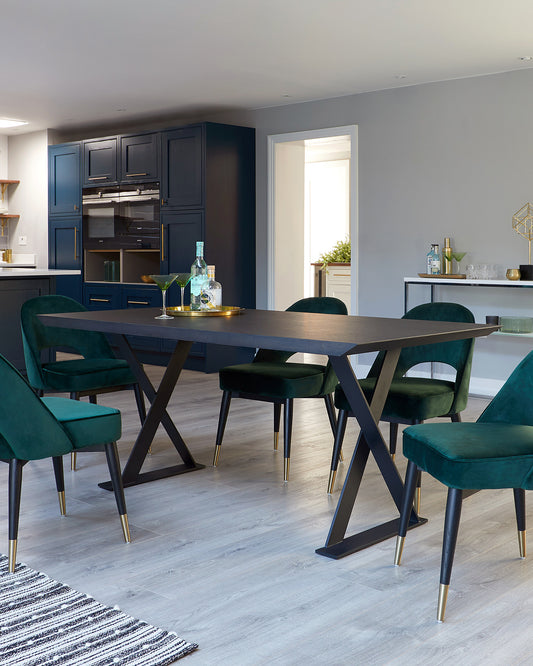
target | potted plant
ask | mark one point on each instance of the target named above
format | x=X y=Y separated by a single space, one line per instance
x=341 y=253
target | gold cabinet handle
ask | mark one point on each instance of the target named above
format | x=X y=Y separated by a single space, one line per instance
x=97 y=178
x=132 y=175
x=99 y=300
x=75 y=242
x=138 y=302
x=162 y=243
x=75 y=207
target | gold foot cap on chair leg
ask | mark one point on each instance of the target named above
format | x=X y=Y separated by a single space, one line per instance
x=443 y=596
x=522 y=543
x=217 y=453
x=12 y=554
x=62 y=503
x=125 y=527
x=399 y=550
x=418 y=496
x=276 y=440
x=341 y=456
x=286 y=467
x=73 y=461
x=331 y=482
x=393 y=457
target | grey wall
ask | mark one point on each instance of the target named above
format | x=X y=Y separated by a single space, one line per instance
x=443 y=159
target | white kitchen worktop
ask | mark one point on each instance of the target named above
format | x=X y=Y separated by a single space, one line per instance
x=470 y=283
x=11 y=273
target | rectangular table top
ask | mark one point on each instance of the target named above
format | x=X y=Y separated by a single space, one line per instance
x=333 y=335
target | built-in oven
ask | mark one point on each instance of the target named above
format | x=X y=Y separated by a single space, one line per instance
x=123 y=217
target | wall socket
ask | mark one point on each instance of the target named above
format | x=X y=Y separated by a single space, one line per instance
x=23 y=240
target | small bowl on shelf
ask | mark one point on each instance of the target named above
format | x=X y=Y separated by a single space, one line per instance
x=147 y=279
x=512 y=274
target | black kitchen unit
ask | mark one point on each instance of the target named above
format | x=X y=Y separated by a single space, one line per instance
x=206 y=179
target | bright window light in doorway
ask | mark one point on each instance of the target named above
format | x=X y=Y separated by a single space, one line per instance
x=8 y=122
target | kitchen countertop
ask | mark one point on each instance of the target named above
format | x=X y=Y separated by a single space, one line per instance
x=10 y=273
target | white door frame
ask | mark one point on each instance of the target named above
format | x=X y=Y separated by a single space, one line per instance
x=272 y=140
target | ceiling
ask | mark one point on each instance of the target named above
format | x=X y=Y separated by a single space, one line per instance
x=69 y=63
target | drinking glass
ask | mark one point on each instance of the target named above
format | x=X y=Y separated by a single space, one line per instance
x=163 y=282
x=458 y=256
x=182 y=280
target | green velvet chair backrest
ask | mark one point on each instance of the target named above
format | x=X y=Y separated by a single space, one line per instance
x=514 y=401
x=319 y=304
x=37 y=337
x=27 y=427
x=457 y=353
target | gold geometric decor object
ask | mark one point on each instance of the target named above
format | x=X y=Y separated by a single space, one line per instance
x=523 y=224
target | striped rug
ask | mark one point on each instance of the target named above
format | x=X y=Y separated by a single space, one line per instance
x=43 y=622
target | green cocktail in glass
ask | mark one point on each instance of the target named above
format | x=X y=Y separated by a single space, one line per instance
x=163 y=282
x=182 y=280
x=458 y=256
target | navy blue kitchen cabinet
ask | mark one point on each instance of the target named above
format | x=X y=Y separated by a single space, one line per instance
x=102 y=296
x=139 y=157
x=100 y=161
x=64 y=179
x=182 y=167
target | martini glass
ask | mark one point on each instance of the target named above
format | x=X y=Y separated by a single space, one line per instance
x=458 y=256
x=182 y=280
x=163 y=282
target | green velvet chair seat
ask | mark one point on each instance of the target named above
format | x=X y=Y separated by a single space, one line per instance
x=86 y=424
x=473 y=455
x=419 y=397
x=78 y=375
x=276 y=380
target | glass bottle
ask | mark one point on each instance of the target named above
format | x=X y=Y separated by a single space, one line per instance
x=433 y=260
x=447 y=257
x=198 y=275
x=211 y=294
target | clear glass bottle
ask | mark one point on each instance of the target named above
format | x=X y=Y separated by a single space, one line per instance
x=433 y=260
x=211 y=294
x=198 y=275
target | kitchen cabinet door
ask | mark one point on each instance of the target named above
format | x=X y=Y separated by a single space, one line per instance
x=101 y=297
x=100 y=161
x=139 y=157
x=64 y=179
x=142 y=297
x=182 y=176
x=64 y=243
x=180 y=231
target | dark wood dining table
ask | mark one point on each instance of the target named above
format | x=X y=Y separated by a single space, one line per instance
x=338 y=337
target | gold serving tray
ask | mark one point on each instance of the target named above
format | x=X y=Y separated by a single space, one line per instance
x=222 y=311
x=454 y=276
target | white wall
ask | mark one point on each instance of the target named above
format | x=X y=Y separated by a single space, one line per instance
x=28 y=162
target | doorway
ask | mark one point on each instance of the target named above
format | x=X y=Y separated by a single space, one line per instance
x=312 y=195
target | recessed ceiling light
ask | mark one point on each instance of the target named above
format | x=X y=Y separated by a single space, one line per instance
x=525 y=58
x=7 y=122
x=400 y=76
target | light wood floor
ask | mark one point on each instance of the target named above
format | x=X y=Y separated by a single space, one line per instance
x=226 y=557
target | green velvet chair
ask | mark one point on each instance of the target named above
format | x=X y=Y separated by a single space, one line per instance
x=413 y=400
x=33 y=428
x=494 y=452
x=99 y=371
x=270 y=378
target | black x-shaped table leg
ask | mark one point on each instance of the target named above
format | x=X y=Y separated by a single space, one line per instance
x=157 y=414
x=370 y=440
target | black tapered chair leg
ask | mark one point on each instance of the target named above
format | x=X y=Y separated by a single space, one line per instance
x=15 y=488
x=277 y=421
x=330 y=409
x=405 y=509
x=456 y=418
x=113 y=464
x=60 y=483
x=337 y=446
x=393 y=439
x=520 y=509
x=451 y=528
x=287 y=436
x=222 y=418
x=139 y=399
